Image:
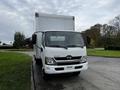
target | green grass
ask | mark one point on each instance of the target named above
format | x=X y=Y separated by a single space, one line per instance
x=16 y=49
x=15 y=71
x=104 y=53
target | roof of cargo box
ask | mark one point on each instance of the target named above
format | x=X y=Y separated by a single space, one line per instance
x=52 y=15
x=53 y=22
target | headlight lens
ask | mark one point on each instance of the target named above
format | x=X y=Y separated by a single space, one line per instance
x=83 y=59
x=49 y=61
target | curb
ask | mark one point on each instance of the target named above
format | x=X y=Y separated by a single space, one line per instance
x=33 y=86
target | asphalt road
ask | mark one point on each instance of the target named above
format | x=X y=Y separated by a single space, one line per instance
x=102 y=74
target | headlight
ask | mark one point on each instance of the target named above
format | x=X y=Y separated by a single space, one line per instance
x=83 y=59
x=49 y=61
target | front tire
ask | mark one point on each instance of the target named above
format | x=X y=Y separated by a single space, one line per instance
x=38 y=61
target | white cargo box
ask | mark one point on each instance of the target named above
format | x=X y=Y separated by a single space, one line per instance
x=52 y=22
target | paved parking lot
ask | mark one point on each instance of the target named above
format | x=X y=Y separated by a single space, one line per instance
x=102 y=74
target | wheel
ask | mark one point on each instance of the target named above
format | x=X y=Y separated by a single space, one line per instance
x=38 y=61
x=76 y=73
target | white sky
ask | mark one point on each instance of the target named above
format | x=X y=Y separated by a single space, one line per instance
x=18 y=15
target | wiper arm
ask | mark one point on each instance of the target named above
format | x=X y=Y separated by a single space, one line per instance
x=57 y=46
x=74 y=46
x=71 y=46
x=67 y=46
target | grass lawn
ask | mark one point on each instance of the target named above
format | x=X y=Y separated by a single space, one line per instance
x=15 y=71
x=16 y=49
x=104 y=53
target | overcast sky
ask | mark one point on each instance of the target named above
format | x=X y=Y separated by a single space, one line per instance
x=18 y=15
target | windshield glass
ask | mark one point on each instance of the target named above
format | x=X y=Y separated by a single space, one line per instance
x=63 y=39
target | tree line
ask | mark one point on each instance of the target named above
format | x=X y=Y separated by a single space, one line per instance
x=21 y=42
x=106 y=36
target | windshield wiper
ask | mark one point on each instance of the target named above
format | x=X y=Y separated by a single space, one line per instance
x=74 y=46
x=57 y=46
x=67 y=46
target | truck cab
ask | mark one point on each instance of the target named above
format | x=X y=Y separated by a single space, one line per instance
x=59 y=51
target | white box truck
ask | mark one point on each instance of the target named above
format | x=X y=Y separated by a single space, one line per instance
x=57 y=47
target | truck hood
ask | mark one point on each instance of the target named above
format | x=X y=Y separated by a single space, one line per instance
x=62 y=52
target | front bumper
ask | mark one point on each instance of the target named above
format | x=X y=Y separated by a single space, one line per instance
x=50 y=69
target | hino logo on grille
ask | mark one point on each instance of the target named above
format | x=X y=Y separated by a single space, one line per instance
x=69 y=57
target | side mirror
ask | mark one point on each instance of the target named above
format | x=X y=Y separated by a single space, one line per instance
x=34 y=38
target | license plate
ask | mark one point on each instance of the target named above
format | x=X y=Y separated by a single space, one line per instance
x=69 y=67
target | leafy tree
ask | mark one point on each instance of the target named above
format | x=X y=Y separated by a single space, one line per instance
x=111 y=37
x=18 y=40
x=92 y=36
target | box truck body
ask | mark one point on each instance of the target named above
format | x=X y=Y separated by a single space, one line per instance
x=57 y=47
x=49 y=22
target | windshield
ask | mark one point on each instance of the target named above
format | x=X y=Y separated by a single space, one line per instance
x=63 y=39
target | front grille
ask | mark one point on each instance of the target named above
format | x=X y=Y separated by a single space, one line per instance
x=65 y=58
x=67 y=63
